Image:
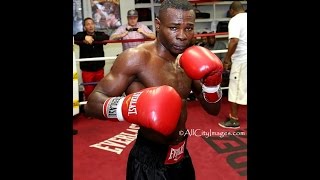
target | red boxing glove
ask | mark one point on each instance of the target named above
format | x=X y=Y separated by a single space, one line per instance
x=200 y=63
x=147 y=108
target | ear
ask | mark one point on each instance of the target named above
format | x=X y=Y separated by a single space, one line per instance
x=157 y=23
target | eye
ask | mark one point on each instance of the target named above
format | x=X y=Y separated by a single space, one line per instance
x=189 y=29
x=173 y=28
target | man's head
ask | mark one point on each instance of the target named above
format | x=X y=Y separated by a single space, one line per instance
x=175 y=25
x=88 y=25
x=211 y=39
x=204 y=39
x=235 y=8
x=132 y=16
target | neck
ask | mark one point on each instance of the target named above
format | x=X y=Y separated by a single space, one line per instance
x=163 y=52
x=241 y=11
x=90 y=33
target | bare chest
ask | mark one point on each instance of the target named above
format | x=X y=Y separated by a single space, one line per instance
x=164 y=73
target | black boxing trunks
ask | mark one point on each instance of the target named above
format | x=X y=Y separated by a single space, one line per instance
x=152 y=161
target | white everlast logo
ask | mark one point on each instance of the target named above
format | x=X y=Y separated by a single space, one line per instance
x=174 y=153
x=112 y=107
x=133 y=103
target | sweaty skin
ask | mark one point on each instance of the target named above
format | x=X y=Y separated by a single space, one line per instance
x=154 y=64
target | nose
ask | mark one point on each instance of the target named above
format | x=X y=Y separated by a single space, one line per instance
x=181 y=35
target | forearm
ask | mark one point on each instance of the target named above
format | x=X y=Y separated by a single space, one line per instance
x=94 y=105
x=100 y=37
x=149 y=35
x=104 y=91
x=145 y=108
x=116 y=36
x=231 y=49
x=210 y=108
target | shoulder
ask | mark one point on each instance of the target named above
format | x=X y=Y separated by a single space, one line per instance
x=238 y=16
x=232 y=20
x=131 y=61
x=139 y=53
x=80 y=33
x=99 y=32
x=139 y=24
x=120 y=29
x=134 y=56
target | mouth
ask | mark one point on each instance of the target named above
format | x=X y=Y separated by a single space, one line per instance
x=179 y=48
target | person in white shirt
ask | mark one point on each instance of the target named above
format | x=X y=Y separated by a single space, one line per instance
x=236 y=58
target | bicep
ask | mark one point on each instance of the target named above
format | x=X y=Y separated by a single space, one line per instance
x=233 y=43
x=114 y=84
x=233 y=30
x=121 y=75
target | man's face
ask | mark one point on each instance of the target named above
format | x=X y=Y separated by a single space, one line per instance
x=204 y=40
x=211 y=40
x=132 y=20
x=176 y=29
x=232 y=12
x=89 y=26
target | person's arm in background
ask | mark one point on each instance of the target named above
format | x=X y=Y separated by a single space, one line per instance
x=82 y=36
x=100 y=36
x=146 y=32
x=119 y=33
x=233 y=42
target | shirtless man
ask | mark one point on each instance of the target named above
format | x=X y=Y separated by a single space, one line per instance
x=171 y=67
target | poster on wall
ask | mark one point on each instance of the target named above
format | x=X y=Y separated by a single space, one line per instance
x=106 y=14
x=77 y=16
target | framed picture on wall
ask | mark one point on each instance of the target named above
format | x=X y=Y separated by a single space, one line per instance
x=106 y=14
x=77 y=16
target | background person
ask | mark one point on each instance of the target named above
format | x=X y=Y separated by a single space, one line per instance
x=132 y=30
x=92 y=71
x=236 y=57
x=213 y=44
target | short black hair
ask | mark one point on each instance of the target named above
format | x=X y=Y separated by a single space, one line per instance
x=84 y=21
x=175 y=4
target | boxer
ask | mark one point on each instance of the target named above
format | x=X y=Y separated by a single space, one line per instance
x=149 y=85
